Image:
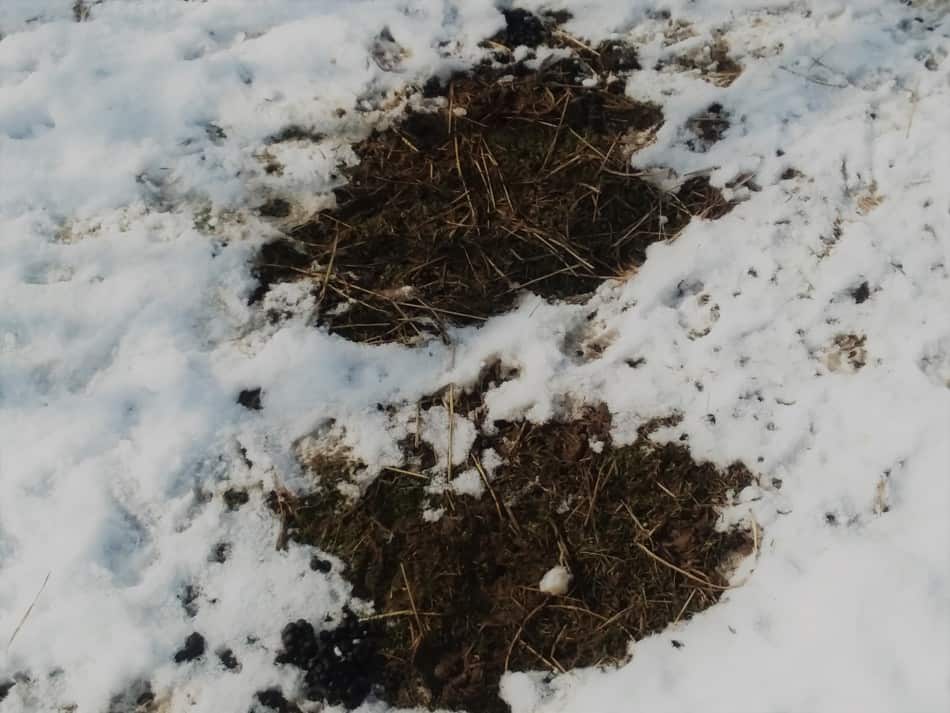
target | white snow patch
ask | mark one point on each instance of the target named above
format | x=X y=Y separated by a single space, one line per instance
x=468 y=482
x=556 y=581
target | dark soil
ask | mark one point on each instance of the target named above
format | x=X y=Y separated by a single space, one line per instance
x=516 y=183
x=458 y=599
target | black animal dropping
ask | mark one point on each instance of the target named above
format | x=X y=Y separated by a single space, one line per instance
x=228 y=659
x=340 y=663
x=317 y=564
x=194 y=648
x=523 y=28
x=250 y=399
x=861 y=292
x=273 y=698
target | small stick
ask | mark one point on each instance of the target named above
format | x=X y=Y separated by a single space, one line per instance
x=401 y=612
x=582 y=610
x=408 y=143
x=574 y=41
x=612 y=619
x=640 y=524
x=523 y=285
x=451 y=105
x=451 y=404
x=491 y=490
x=420 y=476
x=412 y=601
x=557 y=133
x=755 y=539
x=458 y=166
x=672 y=566
x=688 y=600
x=418 y=423
x=517 y=636
x=551 y=664
x=28 y=610
x=326 y=279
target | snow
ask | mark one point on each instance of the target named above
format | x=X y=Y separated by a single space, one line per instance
x=556 y=581
x=132 y=154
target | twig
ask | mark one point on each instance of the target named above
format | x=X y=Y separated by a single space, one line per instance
x=582 y=610
x=451 y=106
x=451 y=405
x=401 y=612
x=28 y=610
x=574 y=41
x=814 y=80
x=688 y=600
x=517 y=636
x=420 y=476
x=524 y=285
x=673 y=567
x=326 y=279
x=557 y=133
x=412 y=601
x=491 y=490
x=458 y=167
x=551 y=664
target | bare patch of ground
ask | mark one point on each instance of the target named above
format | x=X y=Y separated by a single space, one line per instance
x=513 y=180
x=457 y=593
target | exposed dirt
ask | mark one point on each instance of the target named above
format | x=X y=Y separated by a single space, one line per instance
x=459 y=600
x=517 y=181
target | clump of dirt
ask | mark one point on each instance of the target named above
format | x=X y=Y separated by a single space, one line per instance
x=523 y=28
x=458 y=599
x=514 y=181
x=847 y=353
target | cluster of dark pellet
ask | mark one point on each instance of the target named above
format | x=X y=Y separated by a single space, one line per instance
x=340 y=663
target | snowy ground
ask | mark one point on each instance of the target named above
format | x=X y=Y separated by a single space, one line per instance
x=129 y=169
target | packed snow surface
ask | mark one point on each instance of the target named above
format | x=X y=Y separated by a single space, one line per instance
x=806 y=334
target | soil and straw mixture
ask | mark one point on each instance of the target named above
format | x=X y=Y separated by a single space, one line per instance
x=512 y=180
x=498 y=181
x=458 y=600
